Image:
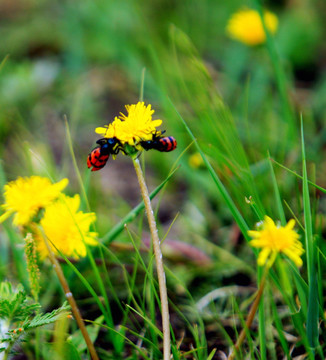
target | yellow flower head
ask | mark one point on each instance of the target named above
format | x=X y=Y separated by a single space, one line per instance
x=134 y=127
x=26 y=196
x=273 y=239
x=196 y=161
x=246 y=26
x=67 y=228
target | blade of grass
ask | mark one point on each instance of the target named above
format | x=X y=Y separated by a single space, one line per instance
x=313 y=307
x=201 y=342
x=88 y=287
x=108 y=315
x=222 y=190
x=280 y=329
x=299 y=176
x=262 y=329
x=72 y=154
x=277 y=195
x=270 y=343
x=121 y=334
x=258 y=213
x=261 y=318
x=3 y=62
x=106 y=312
x=303 y=290
x=118 y=228
x=280 y=76
x=149 y=287
x=296 y=316
x=173 y=168
x=211 y=355
x=146 y=320
x=70 y=298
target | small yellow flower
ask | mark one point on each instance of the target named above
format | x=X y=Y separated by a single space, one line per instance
x=130 y=129
x=246 y=26
x=273 y=239
x=26 y=196
x=67 y=228
x=195 y=161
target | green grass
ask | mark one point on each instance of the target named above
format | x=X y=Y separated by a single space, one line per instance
x=256 y=118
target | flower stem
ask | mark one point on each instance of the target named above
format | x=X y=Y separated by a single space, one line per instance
x=251 y=316
x=158 y=259
x=71 y=300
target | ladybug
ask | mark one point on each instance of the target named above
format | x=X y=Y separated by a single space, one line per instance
x=159 y=143
x=100 y=155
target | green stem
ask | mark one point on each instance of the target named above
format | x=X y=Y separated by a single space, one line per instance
x=313 y=303
x=280 y=76
x=251 y=315
x=71 y=300
x=158 y=259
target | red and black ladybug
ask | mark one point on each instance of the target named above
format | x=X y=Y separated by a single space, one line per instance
x=159 y=143
x=100 y=155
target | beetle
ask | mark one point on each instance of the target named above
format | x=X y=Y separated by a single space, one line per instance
x=160 y=143
x=99 y=156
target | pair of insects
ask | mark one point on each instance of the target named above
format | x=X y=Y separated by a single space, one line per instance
x=100 y=155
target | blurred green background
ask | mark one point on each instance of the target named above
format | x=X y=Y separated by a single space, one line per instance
x=85 y=60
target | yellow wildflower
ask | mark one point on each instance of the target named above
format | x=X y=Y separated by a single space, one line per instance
x=195 y=161
x=130 y=129
x=246 y=26
x=27 y=195
x=273 y=239
x=67 y=228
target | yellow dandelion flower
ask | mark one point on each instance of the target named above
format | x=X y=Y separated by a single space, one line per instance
x=109 y=131
x=195 y=161
x=273 y=239
x=246 y=26
x=130 y=129
x=27 y=195
x=67 y=228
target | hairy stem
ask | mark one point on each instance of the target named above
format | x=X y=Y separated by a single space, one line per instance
x=71 y=300
x=158 y=259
